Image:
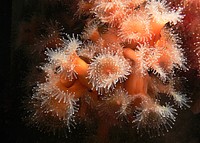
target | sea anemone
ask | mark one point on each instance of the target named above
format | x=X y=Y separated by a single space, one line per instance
x=91 y=31
x=154 y=118
x=135 y=27
x=52 y=109
x=116 y=105
x=171 y=52
x=181 y=100
x=61 y=62
x=106 y=69
x=162 y=13
x=88 y=51
x=72 y=44
x=111 y=12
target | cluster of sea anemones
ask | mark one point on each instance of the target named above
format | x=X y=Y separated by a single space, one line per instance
x=119 y=69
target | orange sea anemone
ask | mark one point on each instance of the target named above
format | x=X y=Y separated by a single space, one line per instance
x=106 y=69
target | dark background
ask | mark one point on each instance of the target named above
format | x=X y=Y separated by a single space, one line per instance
x=5 y=56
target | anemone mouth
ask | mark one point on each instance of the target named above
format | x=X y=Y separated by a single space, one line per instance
x=108 y=66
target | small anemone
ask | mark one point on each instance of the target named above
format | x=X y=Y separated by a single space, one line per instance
x=72 y=44
x=63 y=58
x=106 y=69
x=111 y=12
x=135 y=27
x=88 y=50
x=154 y=119
x=116 y=105
x=56 y=56
x=147 y=59
x=91 y=31
x=60 y=61
x=171 y=46
x=181 y=100
x=161 y=13
x=49 y=102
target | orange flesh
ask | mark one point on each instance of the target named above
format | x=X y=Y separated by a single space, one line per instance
x=165 y=60
x=65 y=80
x=81 y=69
x=77 y=88
x=110 y=37
x=108 y=67
x=156 y=28
x=137 y=84
x=94 y=36
x=81 y=66
x=58 y=108
x=130 y=54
